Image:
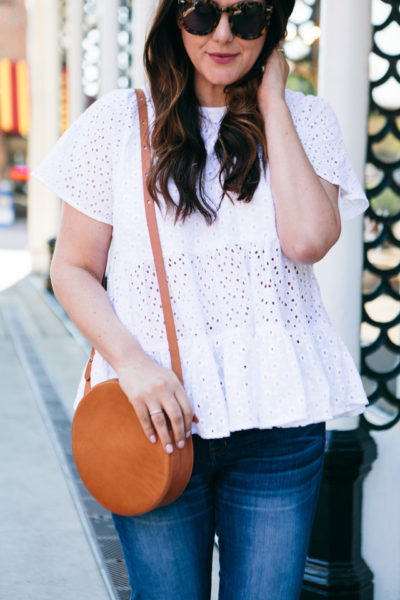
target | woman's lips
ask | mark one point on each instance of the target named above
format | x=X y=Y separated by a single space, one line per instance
x=222 y=58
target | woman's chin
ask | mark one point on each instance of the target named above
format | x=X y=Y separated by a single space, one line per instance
x=213 y=82
x=223 y=80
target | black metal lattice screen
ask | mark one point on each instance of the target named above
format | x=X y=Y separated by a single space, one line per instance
x=91 y=59
x=125 y=49
x=380 y=331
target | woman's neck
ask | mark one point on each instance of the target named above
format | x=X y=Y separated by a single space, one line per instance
x=210 y=95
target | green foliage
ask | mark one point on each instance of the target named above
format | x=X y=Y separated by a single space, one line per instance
x=298 y=83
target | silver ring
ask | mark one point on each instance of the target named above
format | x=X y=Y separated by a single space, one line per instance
x=155 y=412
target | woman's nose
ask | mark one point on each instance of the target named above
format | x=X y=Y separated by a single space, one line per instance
x=223 y=32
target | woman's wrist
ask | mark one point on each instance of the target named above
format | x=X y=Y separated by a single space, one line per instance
x=272 y=107
x=127 y=352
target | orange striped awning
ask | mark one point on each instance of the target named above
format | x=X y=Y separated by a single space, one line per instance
x=14 y=97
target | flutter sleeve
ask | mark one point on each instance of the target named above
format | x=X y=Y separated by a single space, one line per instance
x=79 y=168
x=322 y=140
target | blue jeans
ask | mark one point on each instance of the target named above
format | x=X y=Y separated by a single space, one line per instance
x=257 y=490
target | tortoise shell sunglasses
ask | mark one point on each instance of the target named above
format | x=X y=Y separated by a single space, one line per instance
x=248 y=20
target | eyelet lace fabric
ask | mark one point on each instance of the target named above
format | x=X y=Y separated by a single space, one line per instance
x=257 y=346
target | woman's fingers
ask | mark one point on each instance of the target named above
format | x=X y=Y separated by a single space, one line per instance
x=160 y=424
x=175 y=414
x=165 y=417
x=143 y=415
x=274 y=80
x=154 y=424
x=186 y=407
x=160 y=402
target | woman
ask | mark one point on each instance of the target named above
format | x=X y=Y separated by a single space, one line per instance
x=251 y=182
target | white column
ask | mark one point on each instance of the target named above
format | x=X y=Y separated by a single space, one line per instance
x=44 y=60
x=343 y=81
x=345 y=44
x=142 y=16
x=108 y=25
x=76 y=97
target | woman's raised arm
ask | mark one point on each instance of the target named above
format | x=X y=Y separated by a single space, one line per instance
x=306 y=206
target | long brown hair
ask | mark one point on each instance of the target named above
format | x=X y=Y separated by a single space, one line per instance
x=179 y=154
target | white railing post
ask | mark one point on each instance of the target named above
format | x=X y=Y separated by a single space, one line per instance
x=335 y=564
x=343 y=81
x=44 y=59
x=108 y=25
x=76 y=97
x=142 y=13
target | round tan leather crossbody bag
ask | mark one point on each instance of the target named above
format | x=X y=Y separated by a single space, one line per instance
x=119 y=466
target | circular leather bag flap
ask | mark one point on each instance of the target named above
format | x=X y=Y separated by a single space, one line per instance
x=119 y=466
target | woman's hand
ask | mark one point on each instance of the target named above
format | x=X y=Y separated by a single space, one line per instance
x=151 y=387
x=273 y=83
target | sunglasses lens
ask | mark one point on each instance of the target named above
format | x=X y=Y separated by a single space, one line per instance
x=250 y=21
x=198 y=17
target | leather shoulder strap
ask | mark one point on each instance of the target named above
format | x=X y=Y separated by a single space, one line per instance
x=156 y=248
x=155 y=239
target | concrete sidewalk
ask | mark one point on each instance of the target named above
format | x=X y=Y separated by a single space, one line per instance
x=46 y=550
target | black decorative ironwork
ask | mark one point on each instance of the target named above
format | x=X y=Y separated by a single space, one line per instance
x=335 y=567
x=91 y=47
x=125 y=49
x=380 y=331
x=91 y=50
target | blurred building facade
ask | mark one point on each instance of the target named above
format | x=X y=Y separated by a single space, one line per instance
x=12 y=29
x=14 y=84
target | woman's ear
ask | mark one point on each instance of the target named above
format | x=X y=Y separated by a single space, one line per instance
x=178 y=22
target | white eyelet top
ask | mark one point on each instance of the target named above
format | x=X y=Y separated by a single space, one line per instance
x=257 y=347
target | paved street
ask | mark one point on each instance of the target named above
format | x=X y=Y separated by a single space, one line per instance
x=48 y=532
